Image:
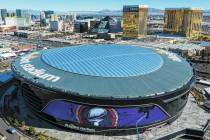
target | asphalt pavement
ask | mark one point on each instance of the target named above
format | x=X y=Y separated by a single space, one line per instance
x=3 y=125
x=3 y=130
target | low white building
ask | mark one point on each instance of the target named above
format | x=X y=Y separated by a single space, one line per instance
x=5 y=50
x=7 y=55
x=206 y=28
x=18 y=22
x=21 y=22
x=10 y=21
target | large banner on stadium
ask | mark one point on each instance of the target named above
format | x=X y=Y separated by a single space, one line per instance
x=109 y=117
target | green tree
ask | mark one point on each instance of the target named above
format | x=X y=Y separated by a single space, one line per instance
x=31 y=130
x=22 y=123
x=16 y=122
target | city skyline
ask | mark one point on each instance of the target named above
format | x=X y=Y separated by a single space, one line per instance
x=94 y=5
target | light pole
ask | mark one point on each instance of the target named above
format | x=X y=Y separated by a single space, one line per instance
x=137 y=122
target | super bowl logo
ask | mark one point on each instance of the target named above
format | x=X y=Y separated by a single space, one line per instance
x=96 y=116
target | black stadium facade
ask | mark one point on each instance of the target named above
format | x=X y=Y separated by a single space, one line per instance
x=105 y=88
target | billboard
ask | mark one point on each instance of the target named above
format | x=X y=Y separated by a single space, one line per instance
x=106 y=117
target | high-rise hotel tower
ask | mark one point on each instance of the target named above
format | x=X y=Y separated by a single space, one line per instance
x=183 y=21
x=135 y=21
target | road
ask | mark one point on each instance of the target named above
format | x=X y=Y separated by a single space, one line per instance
x=3 y=125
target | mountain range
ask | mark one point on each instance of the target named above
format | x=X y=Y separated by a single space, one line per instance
x=151 y=11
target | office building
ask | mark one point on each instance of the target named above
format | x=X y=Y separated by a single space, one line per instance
x=155 y=26
x=115 y=25
x=1 y=21
x=94 y=25
x=135 y=21
x=11 y=14
x=81 y=26
x=42 y=15
x=56 y=26
x=183 y=21
x=3 y=13
x=48 y=14
x=25 y=15
x=19 y=12
x=54 y=17
x=43 y=20
x=71 y=17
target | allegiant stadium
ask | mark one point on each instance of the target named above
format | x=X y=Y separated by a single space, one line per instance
x=105 y=88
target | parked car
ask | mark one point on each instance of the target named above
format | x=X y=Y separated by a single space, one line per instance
x=11 y=130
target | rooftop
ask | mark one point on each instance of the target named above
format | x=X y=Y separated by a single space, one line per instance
x=138 y=6
x=117 y=71
x=4 y=77
x=205 y=43
x=183 y=8
x=104 y=60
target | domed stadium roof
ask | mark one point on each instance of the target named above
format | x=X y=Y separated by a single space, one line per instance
x=116 y=71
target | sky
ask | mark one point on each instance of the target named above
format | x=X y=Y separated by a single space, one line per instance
x=95 y=5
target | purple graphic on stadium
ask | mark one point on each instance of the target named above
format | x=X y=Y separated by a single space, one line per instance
x=102 y=117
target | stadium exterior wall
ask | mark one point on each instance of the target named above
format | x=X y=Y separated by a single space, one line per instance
x=54 y=106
